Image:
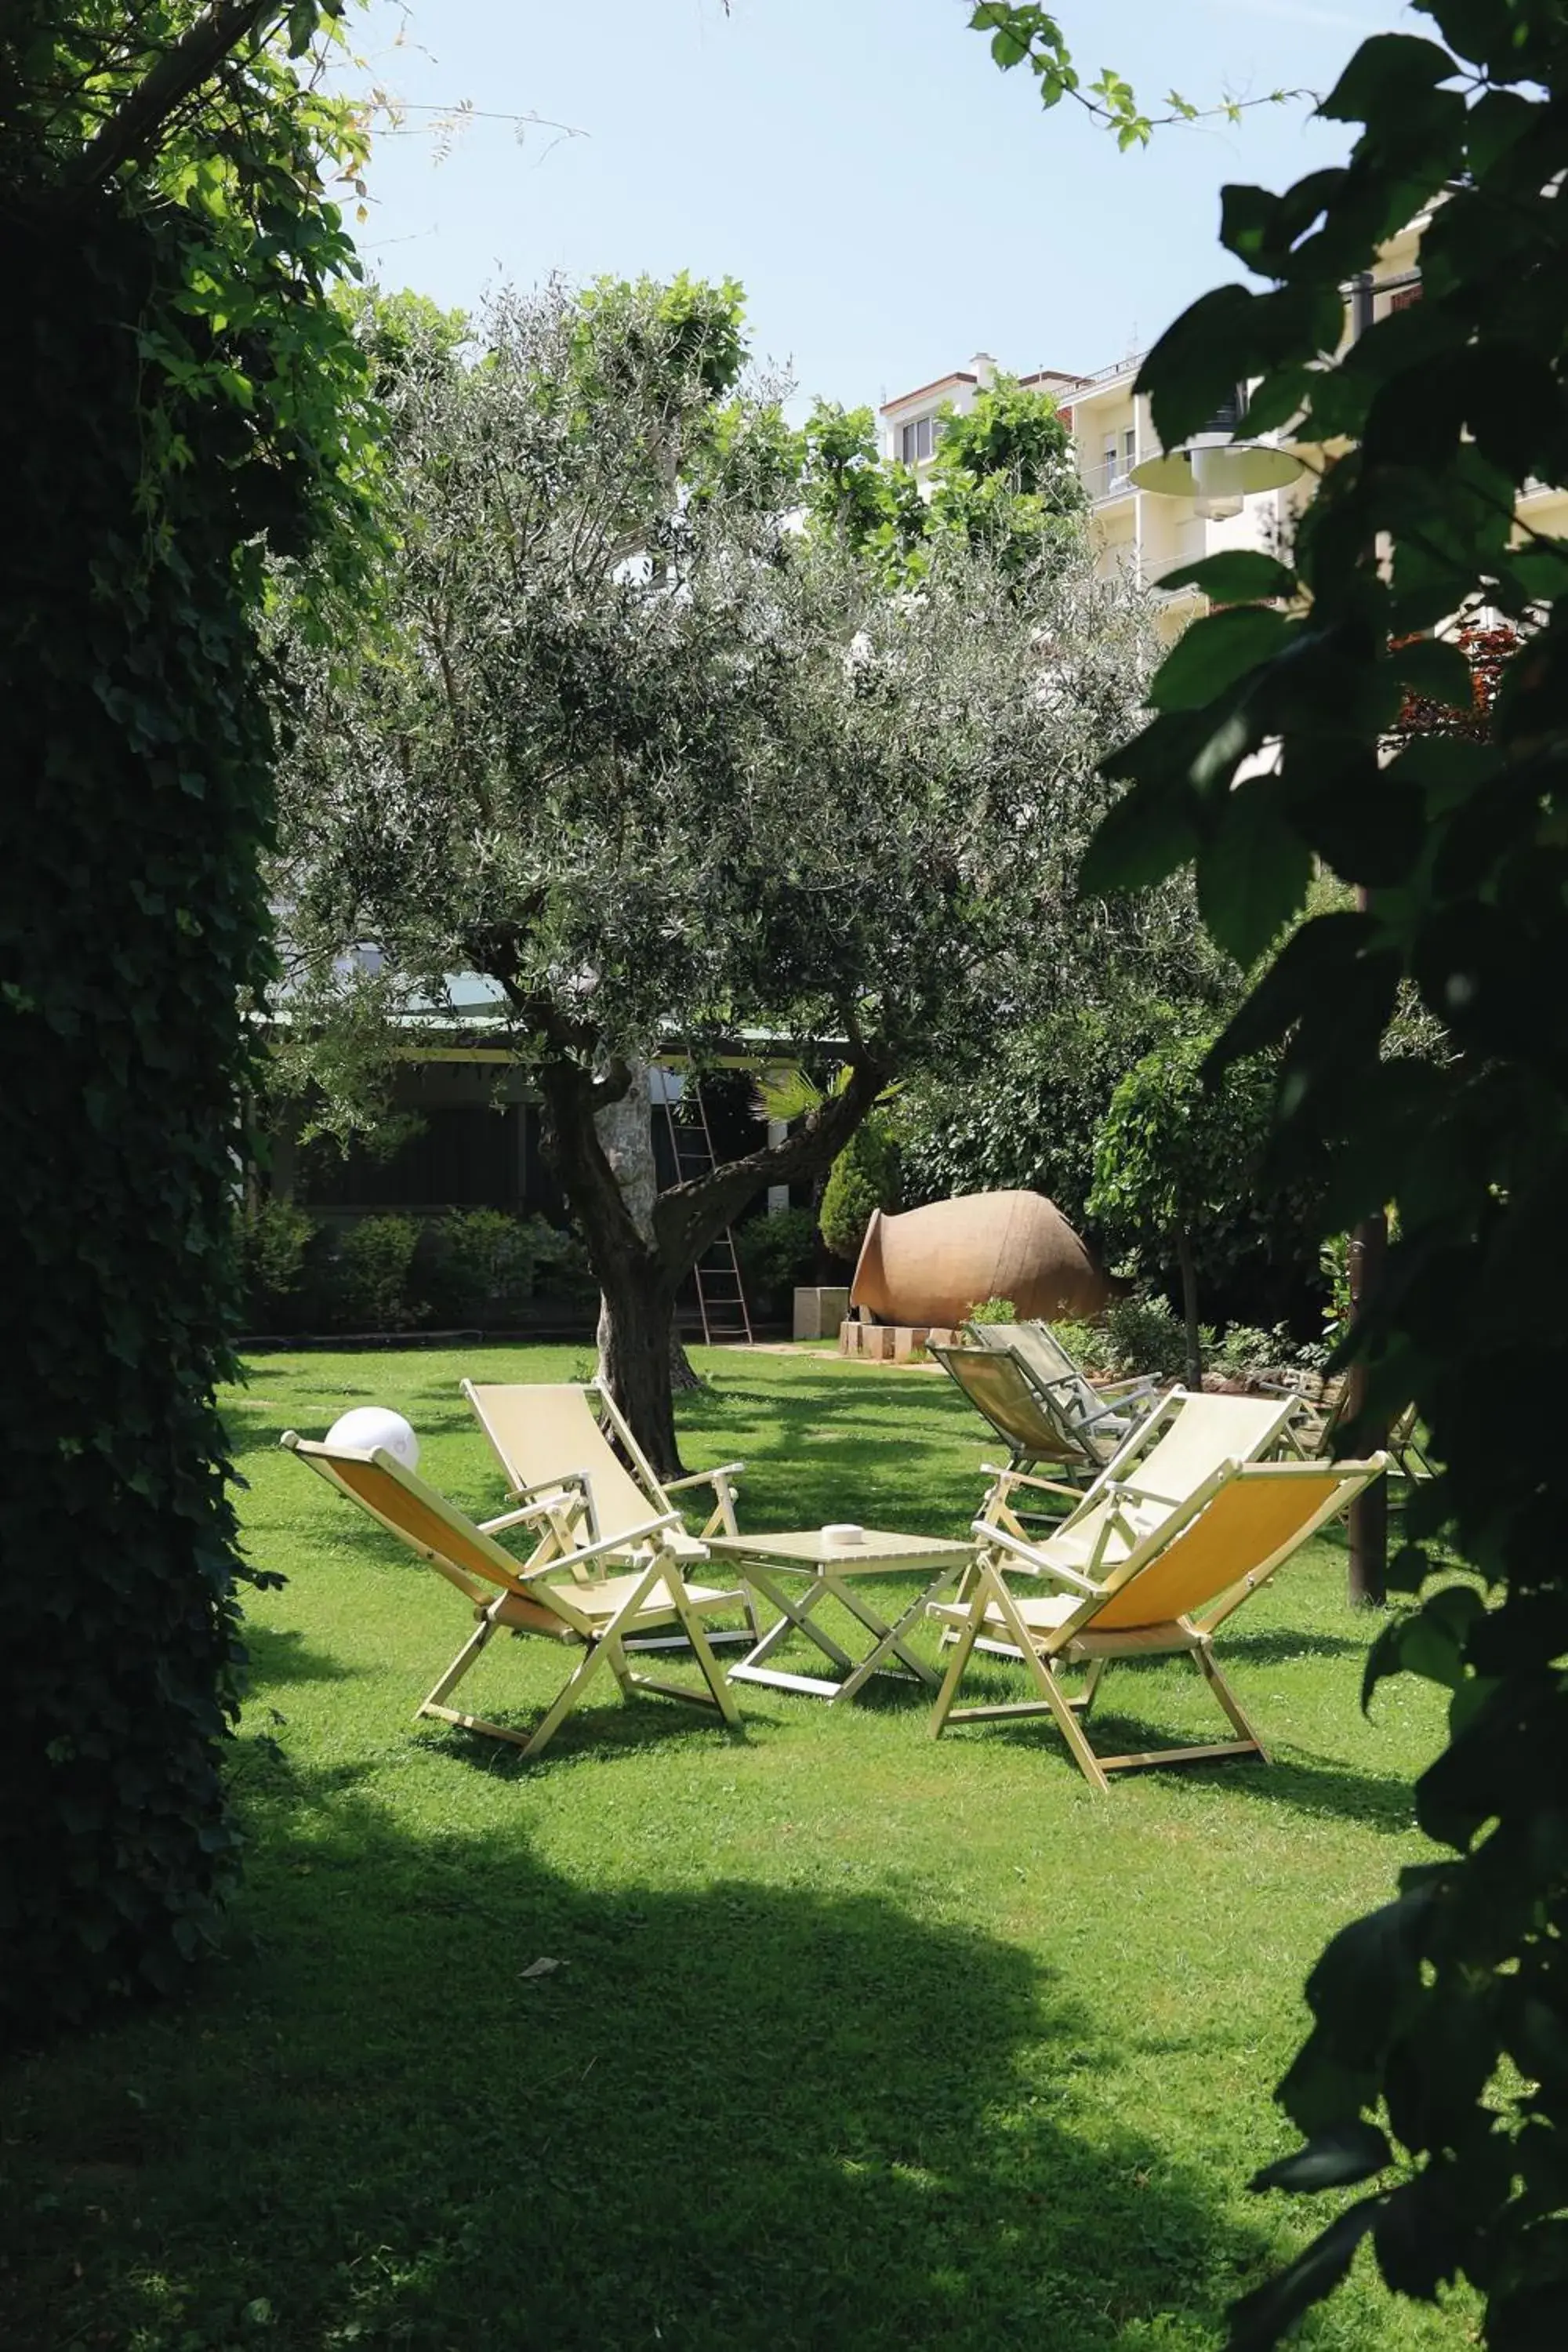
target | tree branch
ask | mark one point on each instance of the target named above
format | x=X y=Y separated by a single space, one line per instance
x=687 y=1217
x=196 y=55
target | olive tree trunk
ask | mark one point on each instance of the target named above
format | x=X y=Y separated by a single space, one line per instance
x=641 y=1264
x=625 y=1128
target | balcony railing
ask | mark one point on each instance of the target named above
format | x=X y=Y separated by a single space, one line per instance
x=1129 y=366
x=1107 y=478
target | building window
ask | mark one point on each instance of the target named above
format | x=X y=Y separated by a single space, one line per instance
x=917 y=440
x=1128 y=448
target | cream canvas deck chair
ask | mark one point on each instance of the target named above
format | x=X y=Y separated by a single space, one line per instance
x=1169 y=1455
x=1098 y=1420
x=553 y=1440
x=1166 y=1595
x=588 y=1611
x=1003 y=1389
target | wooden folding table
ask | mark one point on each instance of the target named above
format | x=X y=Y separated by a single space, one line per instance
x=832 y=1571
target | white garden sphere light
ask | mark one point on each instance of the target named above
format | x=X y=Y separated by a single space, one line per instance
x=369 y=1426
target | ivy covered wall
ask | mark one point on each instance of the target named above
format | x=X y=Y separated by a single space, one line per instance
x=136 y=795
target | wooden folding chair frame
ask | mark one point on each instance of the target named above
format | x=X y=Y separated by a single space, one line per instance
x=1118 y=1486
x=465 y=1552
x=1097 y=1420
x=1074 y=1639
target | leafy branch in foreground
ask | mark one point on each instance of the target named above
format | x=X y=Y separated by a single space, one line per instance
x=1440 y=2023
x=1026 y=34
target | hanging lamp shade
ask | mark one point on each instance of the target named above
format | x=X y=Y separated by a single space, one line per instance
x=1216 y=472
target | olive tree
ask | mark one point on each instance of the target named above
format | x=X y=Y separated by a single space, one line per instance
x=630 y=741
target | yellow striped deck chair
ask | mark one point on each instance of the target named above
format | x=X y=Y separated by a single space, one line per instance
x=566 y=1598
x=1166 y=1595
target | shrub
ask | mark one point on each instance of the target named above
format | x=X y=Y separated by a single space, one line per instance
x=776 y=1252
x=1136 y=1336
x=371 y=1275
x=560 y=1267
x=479 y=1264
x=1249 y=1354
x=1147 y=1335
x=274 y=1241
x=864 y=1177
x=992 y=1310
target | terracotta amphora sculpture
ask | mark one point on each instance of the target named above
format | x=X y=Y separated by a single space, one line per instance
x=931 y=1265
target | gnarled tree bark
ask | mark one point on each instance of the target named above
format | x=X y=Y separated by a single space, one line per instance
x=626 y=1136
x=640 y=1270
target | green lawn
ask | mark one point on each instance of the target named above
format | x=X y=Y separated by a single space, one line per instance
x=854 y=2039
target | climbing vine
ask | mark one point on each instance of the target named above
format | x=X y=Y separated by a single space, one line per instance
x=179 y=396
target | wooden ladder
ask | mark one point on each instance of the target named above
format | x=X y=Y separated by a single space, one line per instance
x=713 y=1298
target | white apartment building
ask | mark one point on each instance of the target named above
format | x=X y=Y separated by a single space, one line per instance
x=1141 y=527
x=1136 y=529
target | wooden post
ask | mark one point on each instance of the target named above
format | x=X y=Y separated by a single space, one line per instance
x=1368 y=1512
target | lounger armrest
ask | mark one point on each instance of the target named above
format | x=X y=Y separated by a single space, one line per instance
x=581 y=1479
x=703 y=1477
x=1034 y=1560
x=617 y=1543
x=1128 y=1489
x=526 y=1512
x=1026 y=1478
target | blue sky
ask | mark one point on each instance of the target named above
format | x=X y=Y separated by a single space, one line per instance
x=890 y=201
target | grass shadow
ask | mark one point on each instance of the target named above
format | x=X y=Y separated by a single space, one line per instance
x=597 y=1731
x=279 y=1655
x=1277 y=1645
x=1310 y=1784
x=707 y=2117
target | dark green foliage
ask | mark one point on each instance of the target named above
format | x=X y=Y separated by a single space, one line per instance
x=275 y=1243
x=863 y=1179
x=155 y=444
x=1175 y=1156
x=481 y=1265
x=776 y=1252
x=1443 y=2018
x=1024 y=1114
x=131 y=920
x=372 y=1267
